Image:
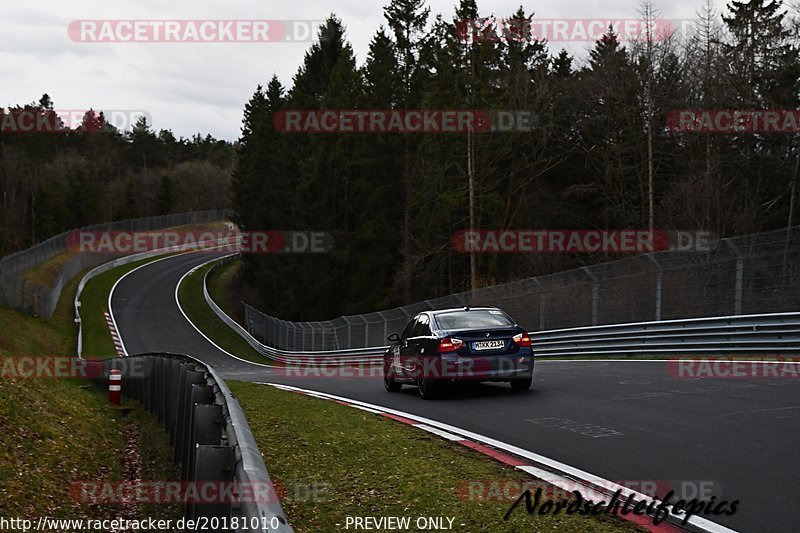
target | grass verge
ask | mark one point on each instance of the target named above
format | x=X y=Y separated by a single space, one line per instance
x=56 y=432
x=221 y=284
x=45 y=273
x=362 y=464
x=190 y=295
x=97 y=341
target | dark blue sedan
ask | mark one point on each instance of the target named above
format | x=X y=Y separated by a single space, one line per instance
x=465 y=344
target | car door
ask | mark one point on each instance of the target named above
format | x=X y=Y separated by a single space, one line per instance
x=404 y=358
x=412 y=352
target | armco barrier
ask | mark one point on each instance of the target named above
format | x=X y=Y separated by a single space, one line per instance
x=373 y=355
x=17 y=292
x=746 y=275
x=105 y=267
x=769 y=333
x=743 y=334
x=209 y=433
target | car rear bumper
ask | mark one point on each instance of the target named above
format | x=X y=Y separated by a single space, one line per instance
x=483 y=368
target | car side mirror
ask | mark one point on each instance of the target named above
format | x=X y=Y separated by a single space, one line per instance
x=394 y=337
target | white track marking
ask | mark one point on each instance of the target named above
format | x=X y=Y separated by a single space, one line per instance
x=178 y=303
x=555 y=472
x=111 y=294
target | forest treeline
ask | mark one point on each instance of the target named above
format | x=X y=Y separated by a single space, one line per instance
x=393 y=201
x=599 y=153
x=53 y=181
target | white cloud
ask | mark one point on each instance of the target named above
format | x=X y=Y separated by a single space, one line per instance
x=202 y=87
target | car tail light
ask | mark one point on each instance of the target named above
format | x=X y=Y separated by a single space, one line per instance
x=450 y=345
x=523 y=340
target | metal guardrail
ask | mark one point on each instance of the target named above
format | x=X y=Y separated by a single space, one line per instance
x=744 y=275
x=745 y=334
x=372 y=355
x=208 y=430
x=19 y=293
x=110 y=265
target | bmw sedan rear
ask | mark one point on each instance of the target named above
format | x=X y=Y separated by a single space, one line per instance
x=464 y=344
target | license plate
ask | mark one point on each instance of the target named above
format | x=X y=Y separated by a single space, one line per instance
x=488 y=345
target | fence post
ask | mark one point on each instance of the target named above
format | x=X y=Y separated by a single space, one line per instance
x=595 y=293
x=349 y=332
x=737 y=302
x=542 y=306
x=385 y=326
x=659 y=279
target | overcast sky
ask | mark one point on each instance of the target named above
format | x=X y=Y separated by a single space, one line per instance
x=202 y=87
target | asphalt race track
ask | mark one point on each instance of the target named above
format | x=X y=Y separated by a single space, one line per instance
x=623 y=421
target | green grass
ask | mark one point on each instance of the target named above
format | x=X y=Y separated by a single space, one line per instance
x=156 y=460
x=52 y=434
x=46 y=273
x=21 y=334
x=97 y=341
x=55 y=432
x=190 y=295
x=220 y=286
x=371 y=465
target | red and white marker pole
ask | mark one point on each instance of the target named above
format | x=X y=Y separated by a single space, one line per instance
x=115 y=386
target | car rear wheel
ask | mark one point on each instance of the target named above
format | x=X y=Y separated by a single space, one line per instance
x=427 y=388
x=522 y=383
x=389 y=382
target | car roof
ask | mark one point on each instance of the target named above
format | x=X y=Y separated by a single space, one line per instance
x=457 y=309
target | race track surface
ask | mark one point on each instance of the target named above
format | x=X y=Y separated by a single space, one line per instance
x=623 y=421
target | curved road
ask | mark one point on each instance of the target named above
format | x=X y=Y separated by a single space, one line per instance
x=623 y=421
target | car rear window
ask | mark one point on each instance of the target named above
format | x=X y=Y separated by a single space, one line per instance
x=472 y=319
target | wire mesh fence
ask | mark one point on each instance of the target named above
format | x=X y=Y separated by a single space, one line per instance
x=19 y=292
x=751 y=274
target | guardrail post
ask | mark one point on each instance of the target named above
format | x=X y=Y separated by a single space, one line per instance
x=595 y=293
x=190 y=377
x=200 y=394
x=171 y=403
x=207 y=427
x=659 y=280
x=737 y=302
x=160 y=366
x=179 y=385
x=147 y=389
x=154 y=387
x=211 y=463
